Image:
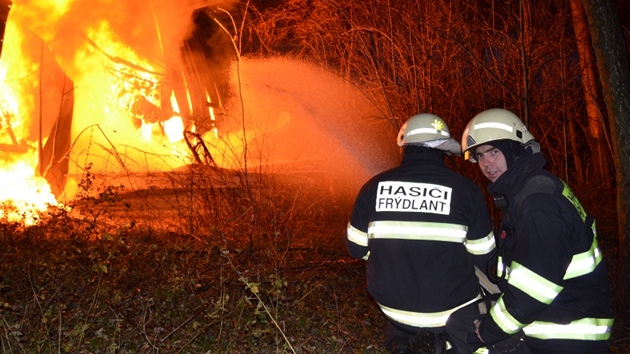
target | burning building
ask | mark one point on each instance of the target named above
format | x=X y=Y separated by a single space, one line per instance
x=133 y=87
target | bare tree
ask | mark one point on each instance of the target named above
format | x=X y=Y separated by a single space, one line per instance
x=455 y=59
x=614 y=71
x=591 y=93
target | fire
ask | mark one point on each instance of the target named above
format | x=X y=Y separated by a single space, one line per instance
x=128 y=88
x=174 y=129
x=23 y=195
x=87 y=83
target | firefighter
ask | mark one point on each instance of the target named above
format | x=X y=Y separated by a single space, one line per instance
x=555 y=289
x=421 y=228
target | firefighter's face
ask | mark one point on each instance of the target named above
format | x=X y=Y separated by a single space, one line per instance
x=491 y=161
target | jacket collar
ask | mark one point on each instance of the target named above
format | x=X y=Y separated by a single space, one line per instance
x=426 y=155
x=513 y=179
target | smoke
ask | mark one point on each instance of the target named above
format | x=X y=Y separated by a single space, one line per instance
x=303 y=119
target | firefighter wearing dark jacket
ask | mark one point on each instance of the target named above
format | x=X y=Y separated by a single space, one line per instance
x=421 y=228
x=554 y=283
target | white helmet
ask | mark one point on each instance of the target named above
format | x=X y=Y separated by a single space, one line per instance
x=490 y=125
x=428 y=130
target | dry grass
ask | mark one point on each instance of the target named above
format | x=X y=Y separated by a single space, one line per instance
x=142 y=291
x=256 y=276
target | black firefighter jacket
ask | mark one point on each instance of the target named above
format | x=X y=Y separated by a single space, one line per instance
x=554 y=282
x=421 y=228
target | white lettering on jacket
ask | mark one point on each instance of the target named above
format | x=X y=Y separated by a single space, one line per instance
x=413 y=197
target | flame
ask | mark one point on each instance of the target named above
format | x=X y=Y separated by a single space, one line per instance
x=112 y=53
x=132 y=98
x=23 y=195
x=174 y=129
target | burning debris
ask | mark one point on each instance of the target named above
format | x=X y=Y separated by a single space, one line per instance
x=123 y=90
x=6 y=118
x=83 y=80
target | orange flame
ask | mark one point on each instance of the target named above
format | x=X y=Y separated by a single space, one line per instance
x=117 y=71
x=132 y=97
x=24 y=195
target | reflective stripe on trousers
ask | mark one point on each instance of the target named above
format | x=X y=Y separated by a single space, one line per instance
x=422 y=319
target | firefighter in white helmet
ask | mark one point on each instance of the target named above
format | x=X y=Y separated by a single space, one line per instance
x=421 y=228
x=555 y=290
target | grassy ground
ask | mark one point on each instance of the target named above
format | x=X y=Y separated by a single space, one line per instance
x=146 y=292
x=102 y=283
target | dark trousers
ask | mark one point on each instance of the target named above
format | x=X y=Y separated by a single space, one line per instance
x=416 y=340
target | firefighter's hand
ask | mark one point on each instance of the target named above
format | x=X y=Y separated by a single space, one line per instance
x=477 y=324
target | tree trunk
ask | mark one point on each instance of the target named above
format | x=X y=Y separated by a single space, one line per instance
x=591 y=94
x=612 y=62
